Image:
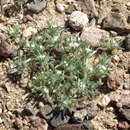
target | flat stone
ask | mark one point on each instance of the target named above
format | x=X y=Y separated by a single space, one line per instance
x=37 y=6
x=93 y=35
x=117 y=22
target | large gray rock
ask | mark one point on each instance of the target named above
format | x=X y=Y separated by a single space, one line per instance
x=117 y=22
x=93 y=35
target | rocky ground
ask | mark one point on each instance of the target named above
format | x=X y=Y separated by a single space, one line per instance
x=92 y=21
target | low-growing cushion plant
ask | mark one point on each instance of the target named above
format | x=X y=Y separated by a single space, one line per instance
x=111 y=44
x=59 y=67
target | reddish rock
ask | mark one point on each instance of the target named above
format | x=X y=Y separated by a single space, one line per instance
x=6 y=50
x=115 y=79
x=123 y=125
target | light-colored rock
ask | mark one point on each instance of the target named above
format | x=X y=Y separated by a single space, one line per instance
x=1 y=110
x=1 y=121
x=93 y=35
x=113 y=33
x=78 y=20
x=115 y=79
x=40 y=105
x=29 y=31
x=80 y=115
x=60 y=8
x=104 y=101
x=128 y=4
x=88 y=113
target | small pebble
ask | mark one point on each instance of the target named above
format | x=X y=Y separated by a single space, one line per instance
x=79 y=115
x=40 y=105
x=60 y=8
x=1 y=121
x=113 y=33
x=1 y=110
x=104 y=101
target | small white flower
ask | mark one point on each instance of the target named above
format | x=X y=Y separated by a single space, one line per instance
x=88 y=50
x=46 y=90
x=59 y=72
x=42 y=56
x=55 y=38
x=32 y=45
x=102 y=67
x=83 y=85
x=66 y=64
x=40 y=47
x=74 y=44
